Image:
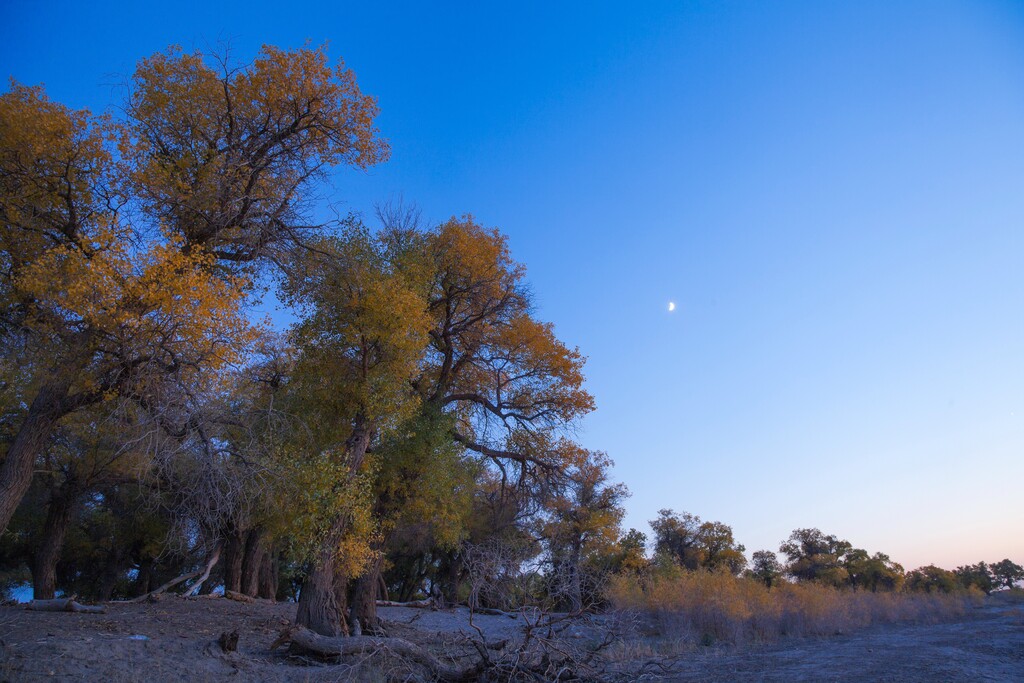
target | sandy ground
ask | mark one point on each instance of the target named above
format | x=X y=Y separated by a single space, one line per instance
x=175 y=640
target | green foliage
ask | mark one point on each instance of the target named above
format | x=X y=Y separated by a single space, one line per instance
x=629 y=554
x=1007 y=573
x=321 y=487
x=813 y=556
x=117 y=531
x=828 y=560
x=932 y=579
x=766 y=568
x=582 y=526
x=976 y=575
x=361 y=337
x=424 y=483
x=873 y=572
x=695 y=544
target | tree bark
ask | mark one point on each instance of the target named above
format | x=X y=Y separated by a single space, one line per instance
x=268 y=575
x=251 y=562
x=44 y=562
x=234 y=550
x=453 y=578
x=144 y=580
x=426 y=603
x=113 y=569
x=575 y=586
x=48 y=407
x=205 y=572
x=318 y=602
x=364 y=599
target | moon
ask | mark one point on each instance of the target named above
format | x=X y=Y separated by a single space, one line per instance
x=671 y=306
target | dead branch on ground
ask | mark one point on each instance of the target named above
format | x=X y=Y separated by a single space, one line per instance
x=64 y=605
x=325 y=646
x=204 y=573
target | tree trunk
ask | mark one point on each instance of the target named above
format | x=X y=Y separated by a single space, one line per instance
x=203 y=573
x=234 y=550
x=113 y=570
x=341 y=582
x=575 y=583
x=251 y=562
x=198 y=585
x=268 y=575
x=319 y=608
x=364 y=599
x=144 y=580
x=44 y=563
x=452 y=578
x=47 y=409
x=318 y=603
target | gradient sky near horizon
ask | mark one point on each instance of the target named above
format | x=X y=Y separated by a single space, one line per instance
x=832 y=193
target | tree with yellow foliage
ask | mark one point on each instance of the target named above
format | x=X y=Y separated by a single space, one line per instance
x=416 y=330
x=211 y=167
x=582 y=527
x=88 y=311
x=506 y=386
x=225 y=157
x=504 y=375
x=360 y=340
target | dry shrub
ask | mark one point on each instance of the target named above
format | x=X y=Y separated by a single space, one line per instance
x=708 y=607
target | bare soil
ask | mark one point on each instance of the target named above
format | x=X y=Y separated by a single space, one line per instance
x=176 y=640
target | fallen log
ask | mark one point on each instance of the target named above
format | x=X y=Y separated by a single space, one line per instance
x=426 y=603
x=238 y=597
x=325 y=646
x=64 y=605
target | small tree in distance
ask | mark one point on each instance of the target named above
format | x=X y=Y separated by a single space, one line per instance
x=694 y=544
x=813 y=556
x=1007 y=573
x=766 y=568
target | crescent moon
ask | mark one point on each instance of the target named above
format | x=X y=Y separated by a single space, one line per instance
x=671 y=306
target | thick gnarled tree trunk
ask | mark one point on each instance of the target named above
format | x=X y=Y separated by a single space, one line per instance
x=44 y=562
x=48 y=407
x=251 y=562
x=234 y=550
x=269 y=574
x=318 y=609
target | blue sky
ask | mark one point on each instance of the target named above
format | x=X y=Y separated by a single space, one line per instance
x=831 y=192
